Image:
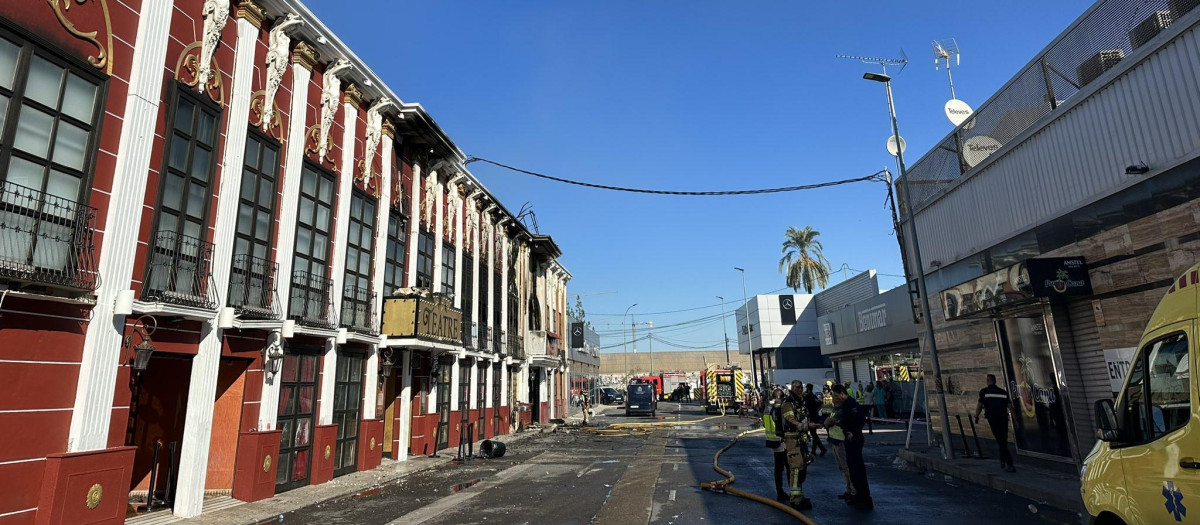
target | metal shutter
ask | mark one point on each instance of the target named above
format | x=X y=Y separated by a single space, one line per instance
x=862 y=371
x=1085 y=369
x=845 y=370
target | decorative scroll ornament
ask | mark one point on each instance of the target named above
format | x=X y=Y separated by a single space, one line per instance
x=100 y=60
x=430 y=201
x=187 y=72
x=216 y=13
x=472 y=224
x=277 y=62
x=95 y=495
x=330 y=96
x=374 y=134
x=260 y=112
x=453 y=201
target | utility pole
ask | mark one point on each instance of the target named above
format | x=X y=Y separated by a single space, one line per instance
x=650 y=336
x=746 y=316
x=626 y=341
x=725 y=327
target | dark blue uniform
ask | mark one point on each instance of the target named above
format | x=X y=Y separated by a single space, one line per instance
x=996 y=407
x=850 y=418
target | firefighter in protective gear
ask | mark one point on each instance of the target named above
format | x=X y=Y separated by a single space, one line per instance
x=772 y=424
x=795 y=439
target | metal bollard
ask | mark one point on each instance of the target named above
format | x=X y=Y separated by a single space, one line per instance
x=978 y=447
x=963 y=433
x=153 y=476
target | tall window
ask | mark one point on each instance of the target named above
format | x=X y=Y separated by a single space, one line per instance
x=395 y=254
x=251 y=286
x=310 y=262
x=187 y=174
x=356 y=303
x=447 y=269
x=424 y=259
x=48 y=117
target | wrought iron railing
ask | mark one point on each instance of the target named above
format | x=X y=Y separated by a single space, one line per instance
x=252 y=291
x=1106 y=35
x=504 y=341
x=497 y=346
x=46 y=239
x=516 y=345
x=485 y=337
x=179 y=271
x=470 y=334
x=311 y=301
x=358 y=310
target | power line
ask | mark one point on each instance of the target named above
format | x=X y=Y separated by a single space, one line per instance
x=877 y=176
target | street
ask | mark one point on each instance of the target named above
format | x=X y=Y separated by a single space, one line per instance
x=580 y=477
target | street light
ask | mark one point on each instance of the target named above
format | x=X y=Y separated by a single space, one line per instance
x=725 y=327
x=947 y=450
x=626 y=340
x=746 y=316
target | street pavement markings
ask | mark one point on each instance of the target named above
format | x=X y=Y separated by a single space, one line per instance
x=672 y=496
x=632 y=498
x=453 y=502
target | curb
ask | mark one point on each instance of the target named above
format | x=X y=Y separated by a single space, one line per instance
x=1068 y=502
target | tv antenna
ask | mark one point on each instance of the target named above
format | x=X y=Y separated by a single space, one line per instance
x=881 y=62
x=945 y=51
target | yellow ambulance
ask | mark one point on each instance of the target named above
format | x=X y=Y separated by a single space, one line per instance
x=1145 y=467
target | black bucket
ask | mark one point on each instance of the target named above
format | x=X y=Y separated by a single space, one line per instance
x=491 y=449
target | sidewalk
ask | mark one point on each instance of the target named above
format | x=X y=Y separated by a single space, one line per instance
x=1049 y=487
x=270 y=509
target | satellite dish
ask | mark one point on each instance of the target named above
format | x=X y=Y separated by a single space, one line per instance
x=891 y=146
x=979 y=147
x=958 y=111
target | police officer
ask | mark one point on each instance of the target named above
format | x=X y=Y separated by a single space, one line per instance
x=812 y=406
x=772 y=424
x=995 y=403
x=849 y=415
x=795 y=435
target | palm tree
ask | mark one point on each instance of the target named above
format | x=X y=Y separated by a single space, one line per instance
x=806 y=266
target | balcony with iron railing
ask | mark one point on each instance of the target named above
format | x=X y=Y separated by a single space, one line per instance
x=252 y=288
x=311 y=301
x=516 y=346
x=470 y=335
x=358 y=311
x=504 y=343
x=46 y=240
x=179 y=271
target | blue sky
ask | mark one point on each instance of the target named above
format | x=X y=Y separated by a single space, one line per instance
x=690 y=96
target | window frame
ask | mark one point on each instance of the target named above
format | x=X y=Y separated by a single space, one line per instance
x=30 y=45
x=369 y=249
x=175 y=91
x=1142 y=359
x=447 y=268
x=309 y=255
x=396 y=267
x=266 y=141
x=425 y=258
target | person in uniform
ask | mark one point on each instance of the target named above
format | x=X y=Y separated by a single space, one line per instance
x=773 y=424
x=795 y=435
x=996 y=405
x=812 y=406
x=850 y=416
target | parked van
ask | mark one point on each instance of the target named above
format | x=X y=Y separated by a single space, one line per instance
x=641 y=399
x=1145 y=467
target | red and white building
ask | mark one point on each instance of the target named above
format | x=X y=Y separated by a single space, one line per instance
x=233 y=261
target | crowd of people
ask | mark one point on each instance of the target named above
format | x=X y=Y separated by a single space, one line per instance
x=792 y=415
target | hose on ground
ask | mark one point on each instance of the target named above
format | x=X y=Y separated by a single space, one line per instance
x=723 y=485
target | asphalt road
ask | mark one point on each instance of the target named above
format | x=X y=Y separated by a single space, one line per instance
x=579 y=477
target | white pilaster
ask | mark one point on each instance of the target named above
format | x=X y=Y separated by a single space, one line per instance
x=371 y=383
x=458 y=249
x=550 y=390
x=102 y=344
x=455 y=377
x=475 y=404
x=489 y=387
x=405 y=412
x=344 y=195
x=414 y=221
x=438 y=233
x=474 y=313
x=491 y=289
x=328 y=376
x=381 y=225
x=197 y=426
x=504 y=262
x=286 y=237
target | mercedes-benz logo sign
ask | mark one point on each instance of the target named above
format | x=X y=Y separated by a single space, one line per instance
x=578 y=331
x=787 y=304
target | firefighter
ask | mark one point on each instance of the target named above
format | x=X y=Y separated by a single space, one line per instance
x=795 y=439
x=772 y=423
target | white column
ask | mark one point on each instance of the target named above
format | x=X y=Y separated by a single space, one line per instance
x=438 y=232
x=328 y=376
x=414 y=221
x=383 y=209
x=491 y=291
x=474 y=398
x=504 y=262
x=286 y=237
x=474 y=313
x=344 y=195
x=458 y=249
x=197 y=426
x=454 y=379
x=489 y=381
x=102 y=344
x=405 y=406
x=371 y=383
x=550 y=391
x=503 y=401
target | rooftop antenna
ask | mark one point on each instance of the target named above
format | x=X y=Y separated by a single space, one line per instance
x=946 y=51
x=881 y=62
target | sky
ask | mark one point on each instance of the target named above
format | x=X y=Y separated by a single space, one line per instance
x=696 y=95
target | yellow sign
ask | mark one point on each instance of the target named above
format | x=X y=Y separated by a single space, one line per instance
x=431 y=318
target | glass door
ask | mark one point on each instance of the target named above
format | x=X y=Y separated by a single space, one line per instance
x=496 y=399
x=464 y=402
x=482 y=387
x=297 y=406
x=1040 y=425
x=443 y=407
x=347 y=405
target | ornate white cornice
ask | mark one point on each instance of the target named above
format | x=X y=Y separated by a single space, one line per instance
x=277 y=61
x=216 y=13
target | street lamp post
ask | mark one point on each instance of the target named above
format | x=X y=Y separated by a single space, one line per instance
x=947 y=450
x=625 y=340
x=725 y=327
x=746 y=316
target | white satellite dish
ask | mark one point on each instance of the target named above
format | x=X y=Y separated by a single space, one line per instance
x=958 y=111
x=891 y=146
x=979 y=147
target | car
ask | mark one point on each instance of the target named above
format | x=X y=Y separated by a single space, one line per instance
x=642 y=399
x=611 y=396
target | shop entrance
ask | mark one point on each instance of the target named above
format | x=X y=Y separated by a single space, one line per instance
x=535 y=394
x=443 y=407
x=1040 y=425
x=496 y=399
x=155 y=427
x=481 y=387
x=464 y=402
x=347 y=406
x=297 y=408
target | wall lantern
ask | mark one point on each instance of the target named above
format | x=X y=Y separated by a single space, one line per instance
x=273 y=353
x=386 y=362
x=143 y=350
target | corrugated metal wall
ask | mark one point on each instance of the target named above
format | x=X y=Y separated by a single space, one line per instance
x=1085 y=369
x=1149 y=114
x=862 y=286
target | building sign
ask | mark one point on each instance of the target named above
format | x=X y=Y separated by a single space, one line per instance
x=1052 y=277
x=431 y=318
x=577 y=335
x=1118 y=366
x=787 y=309
x=872 y=318
x=827 y=332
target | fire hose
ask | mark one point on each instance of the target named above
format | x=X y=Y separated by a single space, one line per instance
x=723 y=486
